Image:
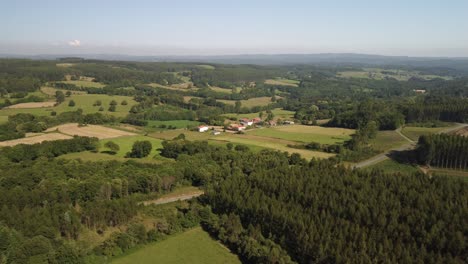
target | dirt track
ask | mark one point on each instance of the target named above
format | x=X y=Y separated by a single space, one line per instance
x=181 y=197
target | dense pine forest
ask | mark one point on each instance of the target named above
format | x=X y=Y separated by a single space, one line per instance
x=446 y=151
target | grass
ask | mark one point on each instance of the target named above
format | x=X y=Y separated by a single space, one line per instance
x=193 y=246
x=392 y=166
x=83 y=101
x=282 y=81
x=258 y=101
x=386 y=140
x=461 y=174
x=125 y=144
x=86 y=83
x=415 y=132
x=206 y=66
x=300 y=133
x=221 y=90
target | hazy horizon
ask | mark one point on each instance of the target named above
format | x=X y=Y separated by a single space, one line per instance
x=183 y=28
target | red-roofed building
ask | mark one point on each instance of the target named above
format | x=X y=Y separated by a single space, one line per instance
x=203 y=128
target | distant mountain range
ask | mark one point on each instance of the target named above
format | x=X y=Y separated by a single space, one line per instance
x=328 y=59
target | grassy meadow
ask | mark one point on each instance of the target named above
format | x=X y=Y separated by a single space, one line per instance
x=386 y=140
x=306 y=134
x=282 y=81
x=258 y=101
x=415 y=132
x=392 y=166
x=193 y=246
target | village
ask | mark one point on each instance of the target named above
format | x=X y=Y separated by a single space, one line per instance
x=241 y=125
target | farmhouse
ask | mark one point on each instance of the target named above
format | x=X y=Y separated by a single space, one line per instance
x=246 y=122
x=236 y=127
x=287 y=122
x=203 y=128
x=272 y=123
x=215 y=133
x=256 y=120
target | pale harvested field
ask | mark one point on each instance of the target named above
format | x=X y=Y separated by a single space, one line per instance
x=31 y=105
x=100 y=132
x=34 y=140
x=51 y=91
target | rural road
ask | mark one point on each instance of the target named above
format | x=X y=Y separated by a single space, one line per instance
x=410 y=145
x=181 y=197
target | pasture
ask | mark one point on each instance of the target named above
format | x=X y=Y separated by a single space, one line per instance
x=83 y=101
x=34 y=139
x=415 y=132
x=126 y=143
x=381 y=74
x=101 y=132
x=306 y=134
x=283 y=82
x=173 y=123
x=386 y=140
x=193 y=246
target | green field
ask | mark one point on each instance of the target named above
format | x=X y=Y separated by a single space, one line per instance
x=306 y=134
x=387 y=140
x=193 y=246
x=125 y=144
x=415 y=132
x=83 y=101
x=392 y=166
x=86 y=83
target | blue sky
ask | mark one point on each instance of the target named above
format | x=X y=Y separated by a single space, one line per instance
x=171 y=27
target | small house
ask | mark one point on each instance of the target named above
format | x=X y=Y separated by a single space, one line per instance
x=203 y=128
x=288 y=122
x=256 y=120
x=236 y=127
x=215 y=133
x=246 y=122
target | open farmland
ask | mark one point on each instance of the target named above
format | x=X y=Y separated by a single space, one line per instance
x=277 y=112
x=381 y=74
x=193 y=246
x=86 y=83
x=34 y=139
x=101 y=132
x=31 y=105
x=283 y=82
x=300 y=133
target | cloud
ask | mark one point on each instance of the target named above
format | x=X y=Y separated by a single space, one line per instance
x=74 y=43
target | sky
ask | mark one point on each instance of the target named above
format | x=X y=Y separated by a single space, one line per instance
x=208 y=27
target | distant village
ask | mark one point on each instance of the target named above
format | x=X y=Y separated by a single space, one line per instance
x=242 y=124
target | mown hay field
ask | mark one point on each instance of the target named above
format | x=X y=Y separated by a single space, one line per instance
x=34 y=139
x=101 y=132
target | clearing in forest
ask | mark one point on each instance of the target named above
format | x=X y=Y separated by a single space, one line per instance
x=101 y=132
x=34 y=139
x=193 y=246
x=283 y=82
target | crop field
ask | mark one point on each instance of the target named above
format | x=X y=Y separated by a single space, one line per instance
x=34 y=139
x=387 y=140
x=193 y=246
x=281 y=81
x=415 y=132
x=221 y=90
x=206 y=66
x=176 y=87
x=258 y=101
x=300 y=133
x=392 y=166
x=31 y=105
x=50 y=91
x=101 y=132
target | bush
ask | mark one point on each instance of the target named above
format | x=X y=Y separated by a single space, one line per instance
x=71 y=103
